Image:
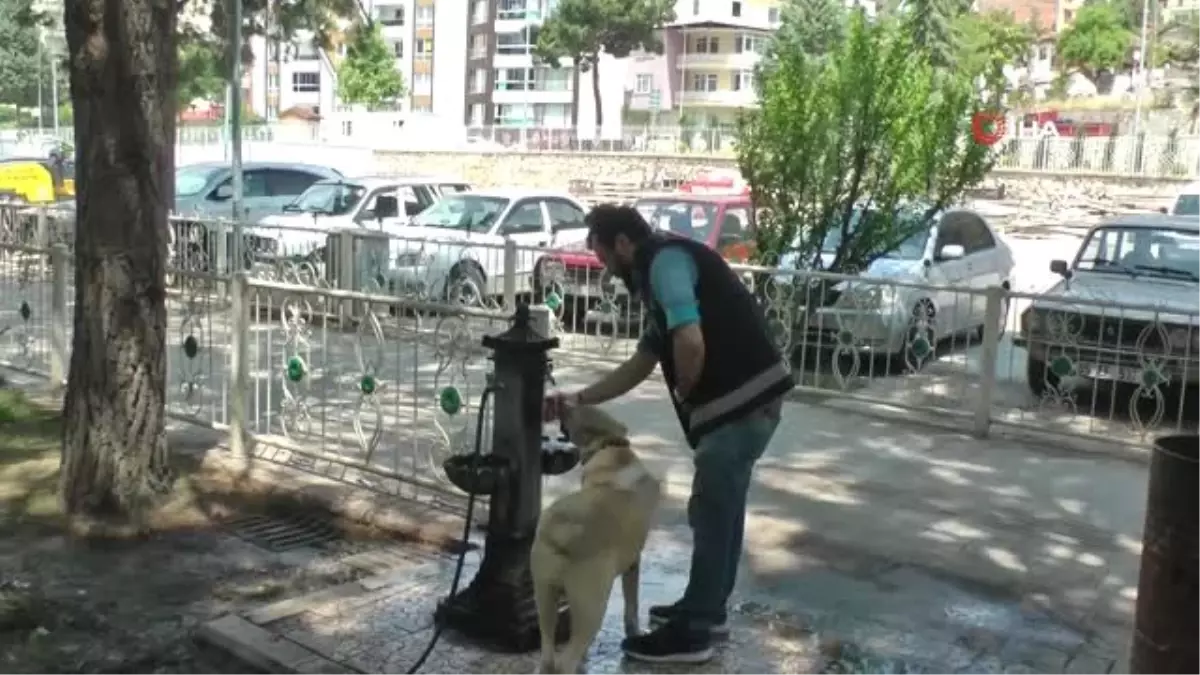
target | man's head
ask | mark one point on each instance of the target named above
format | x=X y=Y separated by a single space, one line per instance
x=614 y=234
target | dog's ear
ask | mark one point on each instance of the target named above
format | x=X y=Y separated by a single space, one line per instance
x=587 y=424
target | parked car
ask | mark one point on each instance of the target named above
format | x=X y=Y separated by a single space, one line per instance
x=1147 y=260
x=375 y=203
x=721 y=221
x=25 y=180
x=1187 y=202
x=959 y=249
x=205 y=190
x=453 y=249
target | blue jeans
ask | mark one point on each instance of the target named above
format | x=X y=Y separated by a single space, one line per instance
x=717 y=511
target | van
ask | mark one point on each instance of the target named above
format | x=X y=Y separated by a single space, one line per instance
x=25 y=180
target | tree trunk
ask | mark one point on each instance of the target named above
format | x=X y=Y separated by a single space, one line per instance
x=123 y=79
x=596 y=95
x=575 y=97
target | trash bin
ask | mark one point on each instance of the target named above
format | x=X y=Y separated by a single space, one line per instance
x=1165 y=630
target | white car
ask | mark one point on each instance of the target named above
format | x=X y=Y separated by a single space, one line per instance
x=1149 y=261
x=303 y=228
x=454 y=249
x=960 y=249
x=1187 y=202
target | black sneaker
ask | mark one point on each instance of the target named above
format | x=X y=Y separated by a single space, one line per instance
x=662 y=614
x=670 y=643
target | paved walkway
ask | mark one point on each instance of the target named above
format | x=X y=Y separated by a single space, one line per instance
x=871 y=546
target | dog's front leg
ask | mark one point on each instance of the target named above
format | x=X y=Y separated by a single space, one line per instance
x=629 y=589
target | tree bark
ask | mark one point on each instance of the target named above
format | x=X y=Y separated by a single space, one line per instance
x=123 y=68
x=596 y=95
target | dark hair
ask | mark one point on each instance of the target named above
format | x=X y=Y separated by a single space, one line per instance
x=606 y=221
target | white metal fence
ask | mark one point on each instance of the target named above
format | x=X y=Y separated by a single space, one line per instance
x=1148 y=155
x=358 y=353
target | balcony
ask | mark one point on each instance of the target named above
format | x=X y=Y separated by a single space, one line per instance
x=725 y=98
x=719 y=61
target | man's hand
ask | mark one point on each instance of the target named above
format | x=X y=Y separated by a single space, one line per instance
x=554 y=405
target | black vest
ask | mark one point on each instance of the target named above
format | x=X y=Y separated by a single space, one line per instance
x=742 y=370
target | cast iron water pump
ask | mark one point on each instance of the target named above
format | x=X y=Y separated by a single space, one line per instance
x=498 y=607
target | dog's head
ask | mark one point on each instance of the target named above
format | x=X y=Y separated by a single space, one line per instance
x=591 y=429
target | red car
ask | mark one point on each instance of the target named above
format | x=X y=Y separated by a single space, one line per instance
x=721 y=221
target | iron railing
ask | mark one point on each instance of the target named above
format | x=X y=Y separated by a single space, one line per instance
x=358 y=351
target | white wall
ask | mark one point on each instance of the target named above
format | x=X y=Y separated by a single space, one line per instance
x=450 y=59
x=613 y=73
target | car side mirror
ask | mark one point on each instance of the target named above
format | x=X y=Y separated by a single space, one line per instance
x=386 y=206
x=222 y=193
x=412 y=208
x=952 y=252
x=1163 y=209
x=1060 y=268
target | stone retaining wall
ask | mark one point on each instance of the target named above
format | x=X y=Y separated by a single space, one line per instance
x=556 y=169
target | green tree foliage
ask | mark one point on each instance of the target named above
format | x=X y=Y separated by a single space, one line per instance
x=931 y=23
x=873 y=123
x=991 y=40
x=368 y=74
x=581 y=30
x=814 y=26
x=19 y=26
x=200 y=74
x=1098 y=41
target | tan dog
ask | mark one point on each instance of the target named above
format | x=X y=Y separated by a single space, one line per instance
x=587 y=539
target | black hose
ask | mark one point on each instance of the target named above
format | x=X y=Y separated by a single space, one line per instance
x=466 y=535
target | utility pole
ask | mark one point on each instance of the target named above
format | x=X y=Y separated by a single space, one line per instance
x=39 y=92
x=1137 y=86
x=235 y=127
x=54 y=92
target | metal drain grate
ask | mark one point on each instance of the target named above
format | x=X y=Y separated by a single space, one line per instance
x=284 y=533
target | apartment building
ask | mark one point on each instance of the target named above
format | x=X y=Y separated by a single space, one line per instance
x=709 y=54
x=427 y=39
x=506 y=86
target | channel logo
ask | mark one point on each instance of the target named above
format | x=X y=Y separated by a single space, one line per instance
x=988 y=127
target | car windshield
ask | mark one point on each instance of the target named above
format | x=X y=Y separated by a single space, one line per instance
x=190 y=180
x=1142 y=251
x=912 y=248
x=462 y=212
x=329 y=198
x=684 y=218
x=1187 y=205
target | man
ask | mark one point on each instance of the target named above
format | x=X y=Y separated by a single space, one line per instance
x=726 y=380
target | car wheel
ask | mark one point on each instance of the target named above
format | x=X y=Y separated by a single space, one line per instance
x=920 y=343
x=466 y=286
x=1039 y=377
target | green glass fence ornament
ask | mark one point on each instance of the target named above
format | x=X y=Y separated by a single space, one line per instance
x=845 y=337
x=921 y=347
x=553 y=301
x=295 y=369
x=450 y=400
x=367 y=384
x=1152 y=376
x=191 y=347
x=26 y=311
x=1061 y=366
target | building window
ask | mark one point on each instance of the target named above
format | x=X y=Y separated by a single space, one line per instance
x=422 y=108
x=743 y=80
x=347 y=127
x=390 y=16
x=478 y=46
x=556 y=115
x=478 y=81
x=423 y=49
x=422 y=84
x=736 y=9
x=512 y=114
x=305 y=51
x=705 y=45
x=749 y=43
x=551 y=79
x=476 y=115
x=773 y=16
x=424 y=15
x=644 y=83
x=520 y=42
x=273 y=81
x=398 y=49
x=479 y=12
x=516 y=9
x=703 y=82
x=306 y=82
x=1068 y=15
x=514 y=79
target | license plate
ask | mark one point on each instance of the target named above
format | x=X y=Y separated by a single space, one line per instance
x=1101 y=371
